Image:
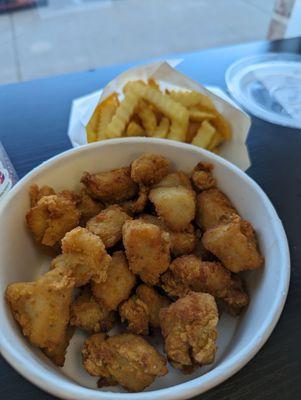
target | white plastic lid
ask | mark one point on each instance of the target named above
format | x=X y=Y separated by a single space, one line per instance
x=268 y=86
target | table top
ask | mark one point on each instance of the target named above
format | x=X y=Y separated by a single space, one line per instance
x=33 y=127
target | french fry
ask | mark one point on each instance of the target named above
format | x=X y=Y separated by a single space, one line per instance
x=222 y=126
x=106 y=111
x=154 y=84
x=147 y=116
x=192 y=131
x=134 y=129
x=215 y=150
x=161 y=130
x=197 y=115
x=122 y=116
x=204 y=135
x=191 y=98
x=164 y=103
x=216 y=141
x=178 y=131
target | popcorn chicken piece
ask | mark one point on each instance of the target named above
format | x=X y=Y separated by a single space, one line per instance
x=137 y=205
x=154 y=302
x=174 y=179
x=235 y=244
x=90 y=315
x=36 y=193
x=57 y=355
x=202 y=176
x=135 y=312
x=42 y=309
x=142 y=309
x=213 y=206
x=92 y=361
x=149 y=169
x=180 y=242
x=51 y=218
x=175 y=205
x=87 y=206
x=147 y=249
x=190 y=273
x=111 y=186
x=84 y=255
x=118 y=285
x=127 y=359
x=189 y=330
x=108 y=225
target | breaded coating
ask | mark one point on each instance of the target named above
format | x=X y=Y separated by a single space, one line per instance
x=175 y=205
x=190 y=273
x=36 y=193
x=200 y=250
x=180 y=242
x=149 y=169
x=235 y=244
x=137 y=205
x=57 y=355
x=127 y=359
x=142 y=309
x=90 y=315
x=87 y=206
x=174 y=179
x=189 y=330
x=111 y=186
x=51 y=218
x=84 y=255
x=108 y=225
x=42 y=308
x=91 y=356
x=154 y=302
x=135 y=312
x=147 y=249
x=213 y=206
x=118 y=285
x=201 y=176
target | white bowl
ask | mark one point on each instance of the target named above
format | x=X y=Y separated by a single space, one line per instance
x=239 y=338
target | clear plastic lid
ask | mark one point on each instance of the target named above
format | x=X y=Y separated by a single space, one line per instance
x=268 y=86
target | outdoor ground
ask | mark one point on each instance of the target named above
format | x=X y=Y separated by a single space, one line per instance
x=75 y=35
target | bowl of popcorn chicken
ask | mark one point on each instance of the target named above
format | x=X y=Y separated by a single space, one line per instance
x=138 y=269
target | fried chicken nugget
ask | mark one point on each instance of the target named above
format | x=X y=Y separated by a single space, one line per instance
x=235 y=244
x=137 y=205
x=87 y=206
x=175 y=205
x=178 y=178
x=36 y=193
x=147 y=249
x=108 y=225
x=126 y=359
x=42 y=308
x=111 y=186
x=180 y=242
x=142 y=309
x=51 y=218
x=90 y=315
x=190 y=273
x=118 y=285
x=189 y=330
x=202 y=176
x=149 y=169
x=135 y=312
x=212 y=207
x=84 y=255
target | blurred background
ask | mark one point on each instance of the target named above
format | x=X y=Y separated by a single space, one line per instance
x=48 y=37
